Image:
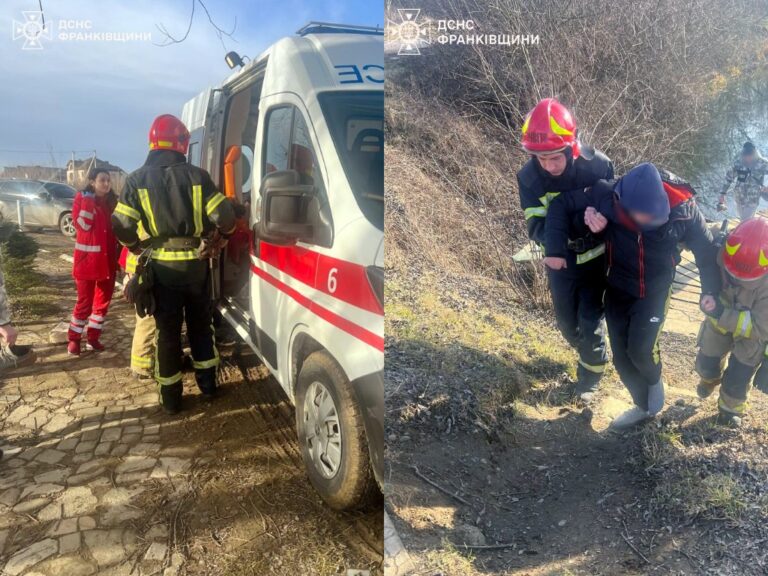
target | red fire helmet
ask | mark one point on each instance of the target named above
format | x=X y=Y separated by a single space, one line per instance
x=168 y=133
x=745 y=250
x=550 y=128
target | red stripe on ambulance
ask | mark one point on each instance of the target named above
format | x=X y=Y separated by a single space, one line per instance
x=331 y=317
x=344 y=280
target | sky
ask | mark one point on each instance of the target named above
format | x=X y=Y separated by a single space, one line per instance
x=84 y=95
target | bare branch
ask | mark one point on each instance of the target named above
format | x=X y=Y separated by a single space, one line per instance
x=220 y=32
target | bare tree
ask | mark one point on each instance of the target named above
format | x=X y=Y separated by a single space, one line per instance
x=220 y=32
x=667 y=81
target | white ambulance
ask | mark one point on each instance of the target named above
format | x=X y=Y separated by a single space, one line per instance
x=296 y=139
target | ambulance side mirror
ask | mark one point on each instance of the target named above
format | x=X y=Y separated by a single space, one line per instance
x=284 y=208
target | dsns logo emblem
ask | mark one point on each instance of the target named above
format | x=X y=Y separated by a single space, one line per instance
x=32 y=30
x=411 y=35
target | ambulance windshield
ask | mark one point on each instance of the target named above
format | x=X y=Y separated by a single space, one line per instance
x=356 y=123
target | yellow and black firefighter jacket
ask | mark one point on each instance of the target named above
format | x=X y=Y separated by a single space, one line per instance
x=177 y=204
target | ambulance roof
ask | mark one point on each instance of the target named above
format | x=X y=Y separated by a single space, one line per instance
x=320 y=57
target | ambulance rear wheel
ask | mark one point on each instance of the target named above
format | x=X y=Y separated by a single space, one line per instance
x=332 y=435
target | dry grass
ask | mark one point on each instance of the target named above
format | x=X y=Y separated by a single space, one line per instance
x=717 y=497
x=451 y=196
x=661 y=81
x=451 y=562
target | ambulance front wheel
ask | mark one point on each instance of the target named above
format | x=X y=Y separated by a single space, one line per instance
x=332 y=435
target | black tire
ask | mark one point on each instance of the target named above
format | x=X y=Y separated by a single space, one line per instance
x=353 y=484
x=66 y=226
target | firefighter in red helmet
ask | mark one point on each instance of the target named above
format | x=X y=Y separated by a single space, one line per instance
x=560 y=164
x=178 y=205
x=737 y=321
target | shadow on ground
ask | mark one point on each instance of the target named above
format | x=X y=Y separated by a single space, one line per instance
x=534 y=484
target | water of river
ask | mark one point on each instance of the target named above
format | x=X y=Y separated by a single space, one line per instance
x=740 y=114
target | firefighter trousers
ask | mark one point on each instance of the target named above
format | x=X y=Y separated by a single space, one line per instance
x=761 y=376
x=634 y=327
x=93 y=299
x=143 y=345
x=746 y=205
x=735 y=379
x=578 y=302
x=174 y=306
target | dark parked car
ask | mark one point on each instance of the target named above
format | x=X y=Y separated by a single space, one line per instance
x=44 y=204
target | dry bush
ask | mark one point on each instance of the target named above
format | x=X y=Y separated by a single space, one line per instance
x=667 y=81
x=451 y=195
x=643 y=78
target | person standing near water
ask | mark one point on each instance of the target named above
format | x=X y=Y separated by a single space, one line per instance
x=748 y=176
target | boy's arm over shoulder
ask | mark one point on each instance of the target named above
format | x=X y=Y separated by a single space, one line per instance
x=606 y=171
x=601 y=198
x=562 y=209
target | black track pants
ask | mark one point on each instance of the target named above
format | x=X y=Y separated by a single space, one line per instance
x=634 y=327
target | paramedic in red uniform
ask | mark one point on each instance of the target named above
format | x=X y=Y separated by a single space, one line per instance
x=95 y=258
x=177 y=204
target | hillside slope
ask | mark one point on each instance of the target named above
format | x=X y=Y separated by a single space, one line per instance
x=492 y=469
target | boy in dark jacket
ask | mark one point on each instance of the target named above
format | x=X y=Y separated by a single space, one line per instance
x=644 y=219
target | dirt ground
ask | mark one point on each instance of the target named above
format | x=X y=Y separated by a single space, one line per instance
x=493 y=470
x=97 y=480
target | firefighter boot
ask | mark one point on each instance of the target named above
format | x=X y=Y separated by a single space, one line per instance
x=706 y=387
x=206 y=381
x=170 y=397
x=729 y=419
x=734 y=392
x=709 y=367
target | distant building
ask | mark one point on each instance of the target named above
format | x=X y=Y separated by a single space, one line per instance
x=77 y=172
x=35 y=173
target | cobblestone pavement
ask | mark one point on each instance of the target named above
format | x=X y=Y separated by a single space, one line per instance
x=85 y=445
x=96 y=479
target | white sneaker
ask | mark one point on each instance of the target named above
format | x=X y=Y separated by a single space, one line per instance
x=630 y=418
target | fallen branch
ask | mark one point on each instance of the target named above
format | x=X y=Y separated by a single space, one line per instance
x=436 y=485
x=634 y=549
x=484 y=546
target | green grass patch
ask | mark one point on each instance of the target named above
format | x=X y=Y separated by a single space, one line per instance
x=659 y=446
x=716 y=496
x=514 y=340
x=30 y=295
x=504 y=353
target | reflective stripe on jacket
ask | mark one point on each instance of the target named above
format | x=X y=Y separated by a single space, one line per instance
x=170 y=199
